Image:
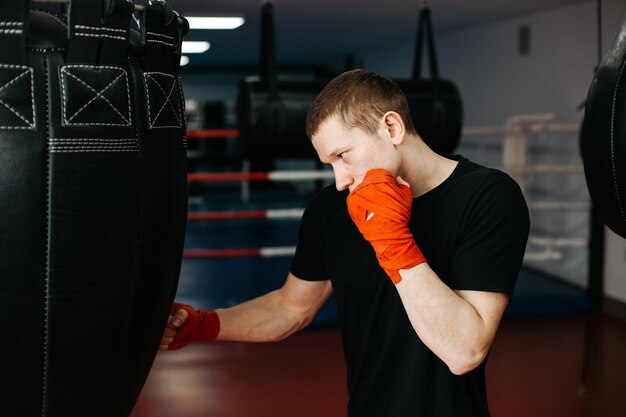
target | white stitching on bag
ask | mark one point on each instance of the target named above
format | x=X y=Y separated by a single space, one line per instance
x=31 y=125
x=65 y=69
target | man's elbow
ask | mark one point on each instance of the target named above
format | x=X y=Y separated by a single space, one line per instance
x=467 y=361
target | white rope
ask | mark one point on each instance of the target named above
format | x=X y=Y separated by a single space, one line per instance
x=278 y=251
x=299 y=175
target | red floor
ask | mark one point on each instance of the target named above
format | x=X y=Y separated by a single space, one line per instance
x=534 y=370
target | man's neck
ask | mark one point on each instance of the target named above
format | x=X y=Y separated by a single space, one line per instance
x=424 y=169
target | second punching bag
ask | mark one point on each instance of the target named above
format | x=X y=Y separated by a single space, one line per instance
x=603 y=137
x=92 y=202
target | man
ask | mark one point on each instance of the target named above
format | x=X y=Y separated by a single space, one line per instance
x=421 y=251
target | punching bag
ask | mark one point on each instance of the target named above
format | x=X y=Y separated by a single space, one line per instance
x=435 y=103
x=92 y=202
x=271 y=113
x=603 y=137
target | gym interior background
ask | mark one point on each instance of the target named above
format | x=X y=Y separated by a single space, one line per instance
x=523 y=69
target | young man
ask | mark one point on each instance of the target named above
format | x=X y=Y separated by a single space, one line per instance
x=421 y=251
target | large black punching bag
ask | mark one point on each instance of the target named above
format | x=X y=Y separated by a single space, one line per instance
x=603 y=137
x=92 y=203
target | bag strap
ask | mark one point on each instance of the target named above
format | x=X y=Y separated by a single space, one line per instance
x=269 y=67
x=98 y=31
x=13 y=31
x=161 y=38
x=425 y=29
x=269 y=70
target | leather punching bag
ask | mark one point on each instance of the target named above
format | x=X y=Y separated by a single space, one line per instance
x=271 y=113
x=435 y=103
x=92 y=203
x=603 y=137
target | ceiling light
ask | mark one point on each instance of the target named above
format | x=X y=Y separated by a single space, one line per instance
x=232 y=22
x=197 y=47
x=184 y=60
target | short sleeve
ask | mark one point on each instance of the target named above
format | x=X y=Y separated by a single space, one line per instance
x=491 y=246
x=308 y=261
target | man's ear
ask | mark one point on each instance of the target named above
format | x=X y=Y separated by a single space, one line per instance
x=394 y=127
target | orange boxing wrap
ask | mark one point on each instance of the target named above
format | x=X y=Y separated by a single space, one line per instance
x=200 y=326
x=381 y=209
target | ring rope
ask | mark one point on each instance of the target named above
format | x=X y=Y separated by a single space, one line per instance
x=274 y=214
x=267 y=252
x=260 y=176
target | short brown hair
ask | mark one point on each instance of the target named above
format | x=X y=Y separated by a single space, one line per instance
x=360 y=98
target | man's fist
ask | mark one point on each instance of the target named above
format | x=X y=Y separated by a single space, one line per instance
x=381 y=209
x=186 y=325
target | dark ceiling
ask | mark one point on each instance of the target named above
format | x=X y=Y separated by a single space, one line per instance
x=316 y=32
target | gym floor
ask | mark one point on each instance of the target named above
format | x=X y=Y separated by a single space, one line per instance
x=534 y=369
x=535 y=366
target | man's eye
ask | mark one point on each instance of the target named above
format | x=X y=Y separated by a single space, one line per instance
x=342 y=154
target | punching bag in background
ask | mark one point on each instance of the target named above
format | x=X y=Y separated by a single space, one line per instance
x=435 y=103
x=272 y=112
x=92 y=203
x=603 y=137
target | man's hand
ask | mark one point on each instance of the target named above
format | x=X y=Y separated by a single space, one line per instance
x=380 y=206
x=186 y=325
x=176 y=319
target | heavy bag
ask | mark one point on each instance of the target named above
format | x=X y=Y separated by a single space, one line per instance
x=271 y=113
x=92 y=203
x=436 y=111
x=603 y=137
x=272 y=125
x=435 y=103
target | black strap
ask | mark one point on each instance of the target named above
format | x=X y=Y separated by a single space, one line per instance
x=269 y=70
x=117 y=22
x=13 y=31
x=161 y=38
x=424 y=27
x=98 y=31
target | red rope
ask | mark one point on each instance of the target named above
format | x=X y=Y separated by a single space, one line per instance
x=212 y=133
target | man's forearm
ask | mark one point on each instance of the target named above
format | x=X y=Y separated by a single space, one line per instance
x=264 y=319
x=447 y=323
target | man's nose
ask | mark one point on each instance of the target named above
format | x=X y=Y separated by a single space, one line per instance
x=343 y=179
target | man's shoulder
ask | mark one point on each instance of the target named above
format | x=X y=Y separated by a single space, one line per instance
x=328 y=198
x=483 y=177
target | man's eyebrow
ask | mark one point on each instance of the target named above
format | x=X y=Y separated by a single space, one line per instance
x=337 y=151
x=329 y=155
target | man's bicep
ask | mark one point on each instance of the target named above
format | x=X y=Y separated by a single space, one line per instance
x=305 y=296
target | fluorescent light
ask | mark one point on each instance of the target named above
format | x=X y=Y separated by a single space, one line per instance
x=215 y=22
x=184 y=60
x=197 y=47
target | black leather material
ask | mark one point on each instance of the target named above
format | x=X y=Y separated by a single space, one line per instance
x=92 y=208
x=603 y=137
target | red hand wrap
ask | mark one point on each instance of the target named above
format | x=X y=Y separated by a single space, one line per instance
x=381 y=209
x=200 y=326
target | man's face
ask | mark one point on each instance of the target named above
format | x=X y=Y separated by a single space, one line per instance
x=351 y=152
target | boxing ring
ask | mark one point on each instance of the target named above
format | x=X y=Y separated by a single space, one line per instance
x=252 y=233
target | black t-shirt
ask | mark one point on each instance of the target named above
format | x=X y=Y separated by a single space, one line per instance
x=472 y=229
